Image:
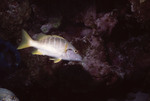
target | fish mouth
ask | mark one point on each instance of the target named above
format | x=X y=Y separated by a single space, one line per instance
x=79 y=58
x=76 y=59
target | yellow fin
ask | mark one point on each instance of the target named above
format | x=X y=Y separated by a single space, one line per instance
x=36 y=52
x=58 y=36
x=66 y=46
x=41 y=36
x=57 y=60
x=25 y=40
x=52 y=58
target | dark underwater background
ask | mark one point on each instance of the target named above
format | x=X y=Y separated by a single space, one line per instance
x=112 y=36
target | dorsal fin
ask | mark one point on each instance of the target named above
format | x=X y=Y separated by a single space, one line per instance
x=58 y=36
x=41 y=36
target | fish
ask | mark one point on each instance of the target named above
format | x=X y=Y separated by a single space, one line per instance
x=53 y=23
x=56 y=47
x=7 y=95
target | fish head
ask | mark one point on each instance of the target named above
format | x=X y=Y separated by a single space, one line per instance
x=72 y=55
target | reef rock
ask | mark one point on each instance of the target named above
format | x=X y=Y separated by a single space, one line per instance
x=13 y=13
x=141 y=8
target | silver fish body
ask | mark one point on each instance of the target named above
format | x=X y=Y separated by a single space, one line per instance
x=7 y=95
x=53 y=46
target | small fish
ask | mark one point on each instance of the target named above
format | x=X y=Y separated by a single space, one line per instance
x=51 y=45
x=7 y=95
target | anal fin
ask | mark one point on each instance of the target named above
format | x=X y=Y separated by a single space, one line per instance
x=36 y=52
x=52 y=58
x=56 y=60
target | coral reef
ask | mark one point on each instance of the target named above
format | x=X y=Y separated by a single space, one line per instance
x=7 y=95
x=13 y=14
x=140 y=8
x=133 y=96
x=112 y=38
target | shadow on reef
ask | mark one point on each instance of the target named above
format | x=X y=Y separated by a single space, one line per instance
x=9 y=59
x=69 y=82
x=72 y=82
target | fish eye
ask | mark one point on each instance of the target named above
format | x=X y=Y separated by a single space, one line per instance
x=75 y=51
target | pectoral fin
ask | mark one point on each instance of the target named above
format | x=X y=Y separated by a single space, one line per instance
x=56 y=60
x=36 y=52
x=66 y=46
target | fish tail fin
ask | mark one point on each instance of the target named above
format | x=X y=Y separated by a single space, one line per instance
x=26 y=40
